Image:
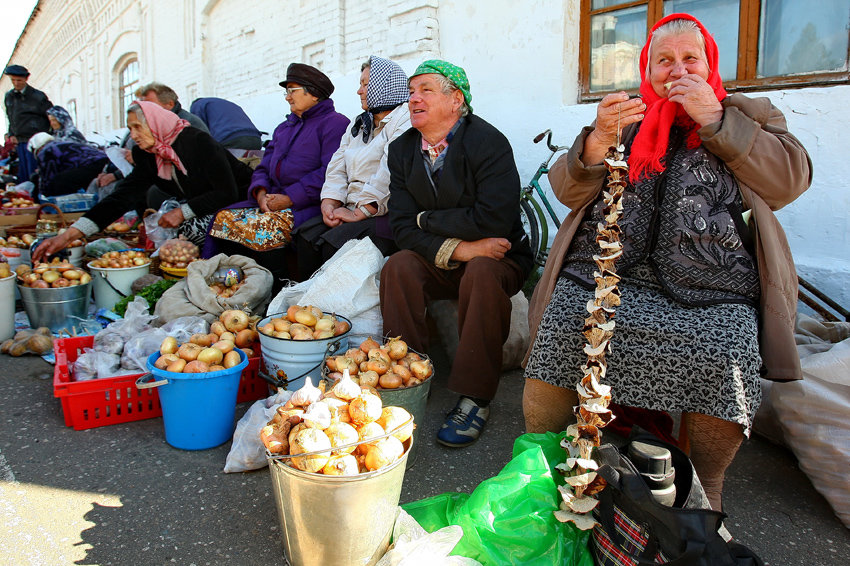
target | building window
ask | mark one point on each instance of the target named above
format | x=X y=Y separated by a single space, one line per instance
x=71 y=107
x=128 y=81
x=762 y=43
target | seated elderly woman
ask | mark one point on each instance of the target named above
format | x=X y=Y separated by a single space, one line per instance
x=285 y=187
x=62 y=126
x=63 y=166
x=707 y=302
x=183 y=161
x=356 y=189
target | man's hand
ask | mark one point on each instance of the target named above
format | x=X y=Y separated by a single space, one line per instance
x=495 y=248
x=346 y=215
x=49 y=247
x=104 y=179
x=171 y=219
x=329 y=205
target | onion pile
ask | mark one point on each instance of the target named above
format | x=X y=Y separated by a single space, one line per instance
x=177 y=253
x=199 y=355
x=118 y=260
x=24 y=242
x=304 y=323
x=226 y=291
x=55 y=274
x=388 y=366
x=315 y=420
x=18 y=202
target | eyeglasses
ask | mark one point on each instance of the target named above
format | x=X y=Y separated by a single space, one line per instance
x=291 y=89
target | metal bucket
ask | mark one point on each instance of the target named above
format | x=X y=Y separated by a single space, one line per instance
x=339 y=520
x=7 y=307
x=413 y=400
x=58 y=309
x=289 y=362
x=114 y=283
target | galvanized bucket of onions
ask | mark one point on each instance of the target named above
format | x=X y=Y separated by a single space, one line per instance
x=398 y=374
x=337 y=461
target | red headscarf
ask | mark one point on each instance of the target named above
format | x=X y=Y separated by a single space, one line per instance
x=165 y=125
x=650 y=143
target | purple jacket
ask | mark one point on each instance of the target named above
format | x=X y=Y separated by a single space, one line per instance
x=295 y=160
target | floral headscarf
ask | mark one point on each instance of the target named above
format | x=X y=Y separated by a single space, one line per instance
x=67 y=131
x=650 y=143
x=165 y=126
x=452 y=72
x=387 y=89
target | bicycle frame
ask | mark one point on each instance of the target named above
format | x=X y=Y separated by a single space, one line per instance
x=539 y=223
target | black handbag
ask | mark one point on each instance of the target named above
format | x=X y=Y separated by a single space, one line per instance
x=635 y=529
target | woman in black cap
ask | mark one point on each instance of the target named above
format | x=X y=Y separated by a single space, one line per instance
x=288 y=181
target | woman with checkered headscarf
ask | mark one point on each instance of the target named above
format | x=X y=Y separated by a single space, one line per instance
x=356 y=189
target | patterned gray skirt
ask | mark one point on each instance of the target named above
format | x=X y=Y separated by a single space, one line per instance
x=665 y=355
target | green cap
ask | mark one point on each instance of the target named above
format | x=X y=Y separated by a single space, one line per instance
x=452 y=72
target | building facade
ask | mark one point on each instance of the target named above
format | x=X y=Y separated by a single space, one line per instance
x=533 y=64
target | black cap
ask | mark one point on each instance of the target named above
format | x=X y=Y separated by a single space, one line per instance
x=308 y=76
x=16 y=71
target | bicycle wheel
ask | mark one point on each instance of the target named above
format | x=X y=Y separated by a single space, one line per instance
x=531 y=225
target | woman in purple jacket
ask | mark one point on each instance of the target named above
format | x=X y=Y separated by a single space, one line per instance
x=292 y=171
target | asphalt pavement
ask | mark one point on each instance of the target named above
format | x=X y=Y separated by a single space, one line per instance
x=121 y=495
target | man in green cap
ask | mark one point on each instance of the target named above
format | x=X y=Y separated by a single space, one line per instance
x=454 y=213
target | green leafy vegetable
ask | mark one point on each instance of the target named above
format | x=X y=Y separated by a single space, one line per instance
x=151 y=294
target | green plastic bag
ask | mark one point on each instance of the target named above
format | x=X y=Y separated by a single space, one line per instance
x=508 y=519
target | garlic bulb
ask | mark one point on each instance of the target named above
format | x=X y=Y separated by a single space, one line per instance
x=345 y=388
x=318 y=415
x=306 y=395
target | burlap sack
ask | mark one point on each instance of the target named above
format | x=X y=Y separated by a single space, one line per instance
x=192 y=295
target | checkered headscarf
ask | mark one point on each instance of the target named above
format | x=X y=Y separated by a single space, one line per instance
x=387 y=89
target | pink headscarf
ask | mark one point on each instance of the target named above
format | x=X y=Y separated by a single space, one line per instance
x=650 y=143
x=165 y=125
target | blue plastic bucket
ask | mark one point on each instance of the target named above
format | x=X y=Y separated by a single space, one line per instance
x=197 y=408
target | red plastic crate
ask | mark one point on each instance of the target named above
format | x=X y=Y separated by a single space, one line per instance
x=114 y=400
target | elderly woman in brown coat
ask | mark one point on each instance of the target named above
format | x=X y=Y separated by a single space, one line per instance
x=708 y=300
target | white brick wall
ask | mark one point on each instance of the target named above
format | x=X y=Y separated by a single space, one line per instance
x=521 y=57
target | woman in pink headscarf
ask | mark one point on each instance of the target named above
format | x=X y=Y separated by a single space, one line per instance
x=708 y=300
x=182 y=161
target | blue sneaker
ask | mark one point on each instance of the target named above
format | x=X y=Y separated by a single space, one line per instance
x=463 y=424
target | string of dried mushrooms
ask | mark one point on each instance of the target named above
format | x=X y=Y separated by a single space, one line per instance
x=592 y=412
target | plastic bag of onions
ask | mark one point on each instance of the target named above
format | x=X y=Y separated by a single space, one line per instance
x=177 y=253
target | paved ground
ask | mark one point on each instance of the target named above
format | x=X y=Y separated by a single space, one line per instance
x=121 y=495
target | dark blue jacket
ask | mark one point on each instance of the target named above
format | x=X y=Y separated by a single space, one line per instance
x=225 y=119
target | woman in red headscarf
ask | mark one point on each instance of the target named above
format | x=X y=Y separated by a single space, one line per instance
x=182 y=161
x=708 y=299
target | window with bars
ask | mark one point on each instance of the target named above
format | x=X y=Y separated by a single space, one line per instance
x=128 y=81
x=762 y=43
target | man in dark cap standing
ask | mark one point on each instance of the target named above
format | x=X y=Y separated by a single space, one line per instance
x=26 y=110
